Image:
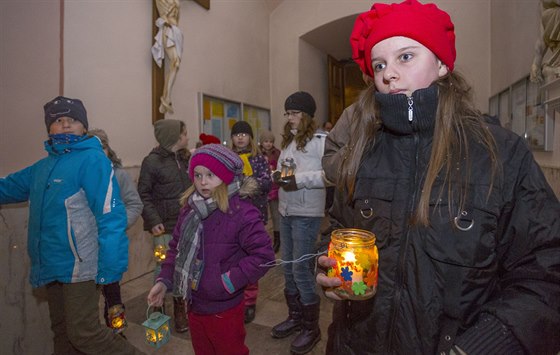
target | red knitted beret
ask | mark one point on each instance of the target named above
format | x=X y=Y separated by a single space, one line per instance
x=208 y=139
x=426 y=24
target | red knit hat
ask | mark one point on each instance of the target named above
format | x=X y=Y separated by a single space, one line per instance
x=426 y=24
x=219 y=159
x=208 y=139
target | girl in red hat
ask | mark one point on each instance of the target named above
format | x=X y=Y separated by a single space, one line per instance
x=466 y=225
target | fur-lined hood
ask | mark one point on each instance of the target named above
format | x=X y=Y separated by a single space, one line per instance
x=249 y=187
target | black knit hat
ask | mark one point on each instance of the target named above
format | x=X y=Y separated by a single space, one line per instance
x=301 y=101
x=242 y=127
x=62 y=106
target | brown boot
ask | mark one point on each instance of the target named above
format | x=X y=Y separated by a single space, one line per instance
x=180 y=315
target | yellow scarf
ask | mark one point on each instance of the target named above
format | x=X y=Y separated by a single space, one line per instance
x=247 y=170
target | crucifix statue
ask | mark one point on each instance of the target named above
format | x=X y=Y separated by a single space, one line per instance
x=168 y=43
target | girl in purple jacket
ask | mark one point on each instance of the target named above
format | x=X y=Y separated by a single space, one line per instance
x=219 y=246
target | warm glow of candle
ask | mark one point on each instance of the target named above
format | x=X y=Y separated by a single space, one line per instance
x=349 y=257
x=151 y=336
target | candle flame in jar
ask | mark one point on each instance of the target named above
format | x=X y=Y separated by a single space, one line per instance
x=349 y=257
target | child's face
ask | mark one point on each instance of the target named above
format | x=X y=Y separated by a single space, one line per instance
x=267 y=144
x=183 y=141
x=294 y=118
x=205 y=181
x=67 y=125
x=241 y=140
x=402 y=65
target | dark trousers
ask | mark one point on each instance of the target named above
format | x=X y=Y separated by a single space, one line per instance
x=74 y=313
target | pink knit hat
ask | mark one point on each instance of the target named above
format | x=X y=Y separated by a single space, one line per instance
x=426 y=24
x=219 y=159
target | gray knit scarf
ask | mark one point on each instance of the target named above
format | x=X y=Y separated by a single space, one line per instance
x=190 y=240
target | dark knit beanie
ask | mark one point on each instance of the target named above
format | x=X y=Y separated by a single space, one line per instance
x=167 y=132
x=219 y=159
x=241 y=127
x=62 y=106
x=301 y=101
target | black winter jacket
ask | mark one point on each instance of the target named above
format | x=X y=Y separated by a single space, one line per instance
x=491 y=271
x=163 y=179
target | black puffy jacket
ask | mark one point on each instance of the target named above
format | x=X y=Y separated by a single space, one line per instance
x=497 y=281
x=163 y=179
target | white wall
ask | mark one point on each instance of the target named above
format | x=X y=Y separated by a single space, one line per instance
x=29 y=77
x=107 y=65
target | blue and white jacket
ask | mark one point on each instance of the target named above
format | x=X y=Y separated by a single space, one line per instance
x=77 y=220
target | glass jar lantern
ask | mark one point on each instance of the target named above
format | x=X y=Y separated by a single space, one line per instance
x=156 y=329
x=357 y=261
x=288 y=168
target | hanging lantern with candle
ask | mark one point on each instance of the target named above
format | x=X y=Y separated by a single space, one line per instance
x=117 y=318
x=160 y=247
x=357 y=260
x=288 y=168
x=156 y=328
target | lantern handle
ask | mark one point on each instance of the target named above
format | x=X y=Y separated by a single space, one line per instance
x=148 y=311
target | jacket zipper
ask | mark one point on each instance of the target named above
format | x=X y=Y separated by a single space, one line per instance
x=400 y=274
x=410 y=111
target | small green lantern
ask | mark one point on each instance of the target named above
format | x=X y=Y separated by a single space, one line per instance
x=156 y=328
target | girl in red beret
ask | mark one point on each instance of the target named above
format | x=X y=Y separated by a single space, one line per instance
x=466 y=225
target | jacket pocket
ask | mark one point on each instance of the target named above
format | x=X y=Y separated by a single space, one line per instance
x=465 y=237
x=372 y=208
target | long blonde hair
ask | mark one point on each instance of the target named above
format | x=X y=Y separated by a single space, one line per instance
x=220 y=195
x=306 y=130
x=458 y=124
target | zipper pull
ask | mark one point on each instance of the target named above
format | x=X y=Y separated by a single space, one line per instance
x=410 y=112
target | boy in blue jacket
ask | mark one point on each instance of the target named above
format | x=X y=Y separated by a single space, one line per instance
x=76 y=235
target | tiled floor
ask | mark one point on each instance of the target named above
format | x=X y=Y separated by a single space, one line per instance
x=271 y=309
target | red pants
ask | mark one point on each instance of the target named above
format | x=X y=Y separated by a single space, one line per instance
x=219 y=334
x=250 y=294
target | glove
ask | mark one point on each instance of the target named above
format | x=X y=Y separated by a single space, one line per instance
x=277 y=178
x=289 y=183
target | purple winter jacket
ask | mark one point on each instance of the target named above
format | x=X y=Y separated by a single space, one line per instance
x=234 y=242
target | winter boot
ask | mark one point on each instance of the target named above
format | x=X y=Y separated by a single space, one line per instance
x=180 y=315
x=293 y=322
x=310 y=333
x=276 y=242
